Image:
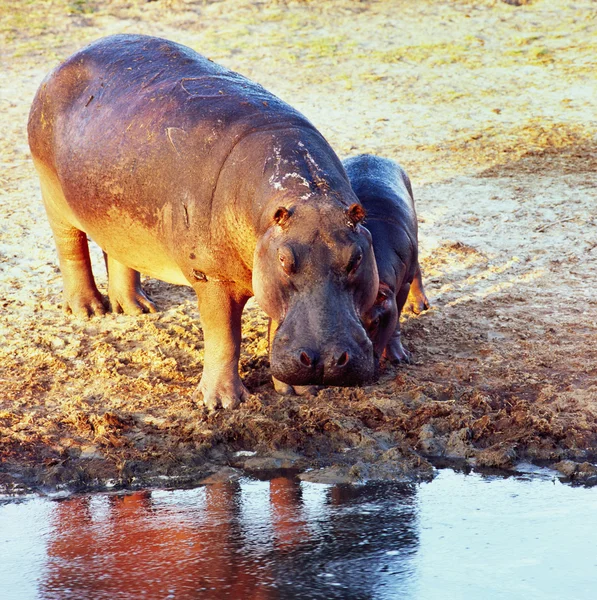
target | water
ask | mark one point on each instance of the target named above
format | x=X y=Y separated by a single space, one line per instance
x=458 y=537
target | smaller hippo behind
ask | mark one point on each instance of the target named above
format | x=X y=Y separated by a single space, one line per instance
x=384 y=190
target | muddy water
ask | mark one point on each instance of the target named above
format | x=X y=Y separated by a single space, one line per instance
x=459 y=536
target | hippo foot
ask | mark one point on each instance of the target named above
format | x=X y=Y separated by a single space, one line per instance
x=85 y=304
x=418 y=303
x=295 y=390
x=307 y=390
x=226 y=395
x=136 y=303
x=396 y=353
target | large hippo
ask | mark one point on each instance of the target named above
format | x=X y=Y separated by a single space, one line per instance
x=190 y=173
x=384 y=189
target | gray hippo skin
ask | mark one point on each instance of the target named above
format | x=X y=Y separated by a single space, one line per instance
x=385 y=192
x=190 y=173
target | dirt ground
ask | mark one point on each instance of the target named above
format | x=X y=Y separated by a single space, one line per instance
x=491 y=108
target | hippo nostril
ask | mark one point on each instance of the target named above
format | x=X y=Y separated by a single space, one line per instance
x=343 y=360
x=308 y=358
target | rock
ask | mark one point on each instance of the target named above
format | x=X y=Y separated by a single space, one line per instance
x=580 y=472
x=223 y=475
x=566 y=467
x=429 y=444
x=587 y=468
x=498 y=456
x=458 y=445
x=272 y=462
x=57 y=342
x=90 y=452
x=587 y=473
x=517 y=2
x=329 y=475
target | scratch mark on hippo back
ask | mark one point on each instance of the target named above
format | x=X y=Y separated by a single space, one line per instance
x=149 y=81
x=316 y=173
x=274 y=179
x=176 y=134
x=300 y=179
x=209 y=86
x=186 y=216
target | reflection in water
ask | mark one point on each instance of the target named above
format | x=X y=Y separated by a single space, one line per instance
x=458 y=537
x=254 y=540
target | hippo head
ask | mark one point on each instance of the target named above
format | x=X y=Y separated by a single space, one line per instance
x=381 y=319
x=315 y=275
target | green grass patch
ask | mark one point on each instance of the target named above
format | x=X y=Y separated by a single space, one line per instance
x=315 y=48
x=541 y=56
x=433 y=54
x=81 y=7
x=534 y=55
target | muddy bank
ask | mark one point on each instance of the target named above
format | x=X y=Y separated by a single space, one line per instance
x=105 y=406
x=490 y=108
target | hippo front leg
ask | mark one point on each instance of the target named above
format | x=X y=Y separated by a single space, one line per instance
x=394 y=350
x=298 y=390
x=220 y=309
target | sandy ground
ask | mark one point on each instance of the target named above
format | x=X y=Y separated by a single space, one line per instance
x=491 y=108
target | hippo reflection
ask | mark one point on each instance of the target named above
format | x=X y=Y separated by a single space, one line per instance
x=280 y=539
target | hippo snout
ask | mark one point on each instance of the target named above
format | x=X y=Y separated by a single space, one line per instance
x=298 y=366
x=347 y=366
x=334 y=363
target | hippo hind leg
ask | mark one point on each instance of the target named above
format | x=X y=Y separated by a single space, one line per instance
x=81 y=296
x=124 y=289
x=417 y=300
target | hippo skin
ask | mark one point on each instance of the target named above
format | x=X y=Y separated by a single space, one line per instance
x=384 y=190
x=190 y=173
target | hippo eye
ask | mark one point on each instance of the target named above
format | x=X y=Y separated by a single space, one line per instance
x=354 y=262
x=287 y=260
x=374 y=324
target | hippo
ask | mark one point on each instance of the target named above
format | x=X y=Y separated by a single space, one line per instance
x=384 y=190
x=190 y=173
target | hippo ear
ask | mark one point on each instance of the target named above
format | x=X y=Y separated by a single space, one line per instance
x=356 y=213
x=281 y=216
